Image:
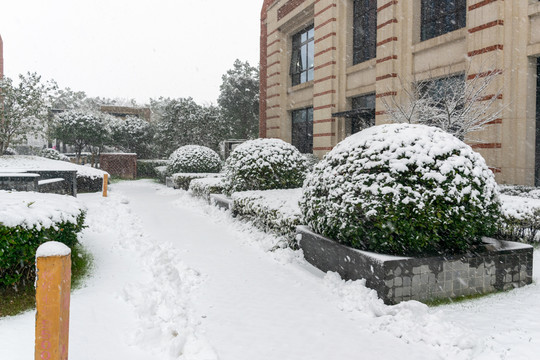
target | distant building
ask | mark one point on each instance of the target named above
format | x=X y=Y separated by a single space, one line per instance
x=125 y=111
x=328 y=65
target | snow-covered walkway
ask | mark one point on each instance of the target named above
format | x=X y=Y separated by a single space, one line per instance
x=176 y=278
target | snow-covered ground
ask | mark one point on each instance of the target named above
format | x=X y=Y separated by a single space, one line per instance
x=176 y=278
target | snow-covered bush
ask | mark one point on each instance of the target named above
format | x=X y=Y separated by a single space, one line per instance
x=162 y=172
x=520 y=219
x=402 y=189
x=312 y=160
x=10 y=151
x=53 y=154
x=531 y=192
x=28 y=219
x=194 y=159
x=182 y=180
x=206 y=186
x=264 y=164
x=147 y=168
x=271 y=210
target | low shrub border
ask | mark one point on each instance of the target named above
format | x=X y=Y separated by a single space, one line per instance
x=147 y=168
x=29 y=219
x=182 y=180
x=275 y=211
x=206 y=186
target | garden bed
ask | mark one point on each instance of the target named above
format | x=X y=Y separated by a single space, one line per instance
x=500 y=265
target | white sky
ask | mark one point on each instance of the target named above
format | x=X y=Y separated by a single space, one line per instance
x=131 y=48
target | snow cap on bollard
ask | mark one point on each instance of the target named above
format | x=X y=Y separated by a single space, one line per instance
x=52 y=248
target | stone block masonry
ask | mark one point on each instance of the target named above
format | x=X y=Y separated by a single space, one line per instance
x=502 y=265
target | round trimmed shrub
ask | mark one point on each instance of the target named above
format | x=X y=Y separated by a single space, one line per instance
x=53 y=154
x=264 y=164
x=194 y=159
x=402 y=189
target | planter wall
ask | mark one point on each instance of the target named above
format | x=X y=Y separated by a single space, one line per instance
x=503 y=265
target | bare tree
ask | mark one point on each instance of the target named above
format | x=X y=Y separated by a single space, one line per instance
x=457 y=105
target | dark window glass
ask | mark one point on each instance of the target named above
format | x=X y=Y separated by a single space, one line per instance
x=302 y=130
x=364 y=30
x=303 y=56
x=367 y=117
x=441 y=17
x=537 y=167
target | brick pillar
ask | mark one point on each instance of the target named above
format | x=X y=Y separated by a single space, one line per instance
x=387 y=68
x=485 y=51
x=325 y=82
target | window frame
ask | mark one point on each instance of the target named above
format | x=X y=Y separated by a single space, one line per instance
x=366 y=101
x=301 y=47
x=438 y=18
x=304 y=124
x=364 y=20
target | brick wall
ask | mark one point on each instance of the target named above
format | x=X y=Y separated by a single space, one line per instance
x=120 y=165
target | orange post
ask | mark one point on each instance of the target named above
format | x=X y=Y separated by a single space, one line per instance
x=105 y=183
x=53 y=287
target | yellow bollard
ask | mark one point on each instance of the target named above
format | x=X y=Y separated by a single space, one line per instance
x=53 y=285
x=105 y=182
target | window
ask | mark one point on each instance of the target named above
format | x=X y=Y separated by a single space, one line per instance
x=303 y=56
x=364 y=30
x=302 y=130
x=365 y=117
x=441 y=17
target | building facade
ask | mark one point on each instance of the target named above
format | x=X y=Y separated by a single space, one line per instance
x=330 y=67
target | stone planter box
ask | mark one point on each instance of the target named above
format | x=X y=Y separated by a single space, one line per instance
x=503 y=265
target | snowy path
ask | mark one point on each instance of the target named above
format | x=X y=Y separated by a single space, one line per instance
x=178 y=279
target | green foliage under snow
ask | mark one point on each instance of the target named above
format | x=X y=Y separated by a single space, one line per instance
x=402 y=189
x=264 y=164
x=194 y=159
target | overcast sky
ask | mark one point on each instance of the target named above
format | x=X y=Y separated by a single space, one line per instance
x=131 y=48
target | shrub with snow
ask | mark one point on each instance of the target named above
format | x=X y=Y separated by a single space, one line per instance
x=205 y=186
x=402 y=189
x=264 y=164
x=520 y=218
x=147 y=168
x=312 y=160
x=53 y=154
x=271 y=210
x=183 y=180
x=194 y=159
x=28 y=219
x=10 y=151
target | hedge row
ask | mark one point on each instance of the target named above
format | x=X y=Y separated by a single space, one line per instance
x=182 y=180
x=18 y=246
x=276 y=211
x=147 y=168
x=206 y=186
